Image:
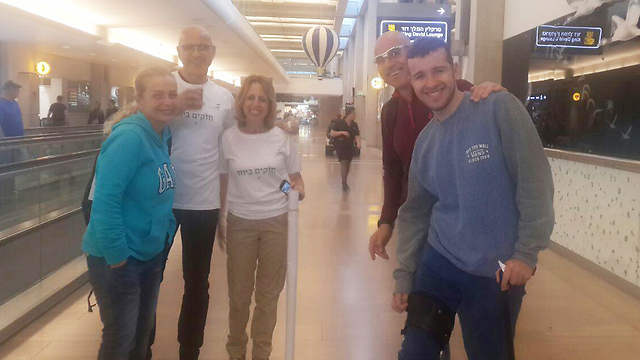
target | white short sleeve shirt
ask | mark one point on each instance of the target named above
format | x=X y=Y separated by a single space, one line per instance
x=195 y=147
x=257 y=164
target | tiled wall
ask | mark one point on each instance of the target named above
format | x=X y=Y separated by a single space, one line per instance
x=598 y=215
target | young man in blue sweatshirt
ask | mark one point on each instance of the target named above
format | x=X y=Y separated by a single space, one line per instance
x=480 y=191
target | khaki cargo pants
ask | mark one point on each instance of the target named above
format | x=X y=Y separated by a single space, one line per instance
x=257 y=259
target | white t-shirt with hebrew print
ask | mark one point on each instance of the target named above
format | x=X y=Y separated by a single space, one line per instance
x=257 y=164
x=195 y=146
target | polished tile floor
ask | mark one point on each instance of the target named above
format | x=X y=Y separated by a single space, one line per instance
x=343 y=296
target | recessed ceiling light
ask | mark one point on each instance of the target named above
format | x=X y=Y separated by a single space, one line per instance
x=92 y=54
x=65 y=46
x=114 y=60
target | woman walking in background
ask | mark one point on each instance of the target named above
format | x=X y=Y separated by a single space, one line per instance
x=346 y=135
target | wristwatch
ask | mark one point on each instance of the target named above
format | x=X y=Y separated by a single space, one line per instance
x=388 y=222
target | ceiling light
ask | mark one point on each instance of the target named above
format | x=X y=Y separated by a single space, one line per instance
x=92 y=54
x=262 y=23
x=324 y=2
x=287 y=40
x=64 y=12
x=290 y=20
x=288 y=51
x=65 y=46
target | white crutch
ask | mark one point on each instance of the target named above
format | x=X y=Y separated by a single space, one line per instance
x=292 y=275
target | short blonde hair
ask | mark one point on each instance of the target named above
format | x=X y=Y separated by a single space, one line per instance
x=267 y=87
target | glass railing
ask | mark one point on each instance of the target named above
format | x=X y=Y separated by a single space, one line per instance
x=61 y=129
x=20 y=149
x=35 y=191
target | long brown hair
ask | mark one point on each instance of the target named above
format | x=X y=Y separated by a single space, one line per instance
x=140 y=87
x=267 y=87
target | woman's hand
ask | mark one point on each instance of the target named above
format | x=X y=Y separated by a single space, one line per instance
x=297 y=184
x=299 y=188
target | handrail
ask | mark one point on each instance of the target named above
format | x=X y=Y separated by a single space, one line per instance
x=50 y=136
x=48 y=139
x=597 y=160
x=56 y=129
x=45 y=161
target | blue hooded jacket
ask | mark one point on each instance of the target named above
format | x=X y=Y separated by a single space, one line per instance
x=132 y=213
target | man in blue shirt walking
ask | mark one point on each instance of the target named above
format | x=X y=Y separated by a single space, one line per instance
x=10 y=115
x=480 y=192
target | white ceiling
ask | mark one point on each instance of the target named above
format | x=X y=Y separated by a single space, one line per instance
x=142 y=22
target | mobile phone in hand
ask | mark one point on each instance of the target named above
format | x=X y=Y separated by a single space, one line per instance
x=285 y=187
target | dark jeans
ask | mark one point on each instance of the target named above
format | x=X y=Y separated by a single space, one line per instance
x=476 y=300
x=127 y=297
x=198 y=231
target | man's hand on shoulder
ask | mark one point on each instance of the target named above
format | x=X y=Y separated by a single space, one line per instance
x=485 y=89
x=516 y=273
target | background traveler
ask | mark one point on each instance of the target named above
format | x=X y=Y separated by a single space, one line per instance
x=112 y=109
x=346 y=135
x=96 y=114
x=10 y=115
x=58 y=112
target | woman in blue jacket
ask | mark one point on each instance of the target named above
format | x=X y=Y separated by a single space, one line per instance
x=132 y=223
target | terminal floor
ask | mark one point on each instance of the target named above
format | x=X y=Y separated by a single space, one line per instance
x=344 y=297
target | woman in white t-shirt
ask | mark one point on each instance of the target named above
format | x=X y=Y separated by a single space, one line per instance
x=255 y=157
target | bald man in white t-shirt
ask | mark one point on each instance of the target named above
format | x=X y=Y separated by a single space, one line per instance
x=208 y=110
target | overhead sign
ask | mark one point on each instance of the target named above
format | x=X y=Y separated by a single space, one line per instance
x=43 y=68
x=417 y=29
x=574 y=37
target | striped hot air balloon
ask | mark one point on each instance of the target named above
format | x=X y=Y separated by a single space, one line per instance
x=321 y=45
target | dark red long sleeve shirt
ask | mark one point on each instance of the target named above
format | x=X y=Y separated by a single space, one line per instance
x=397 y=149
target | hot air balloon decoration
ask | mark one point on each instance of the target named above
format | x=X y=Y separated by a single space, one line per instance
x=321 y=45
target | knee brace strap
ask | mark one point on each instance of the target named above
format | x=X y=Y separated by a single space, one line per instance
x=430 y=315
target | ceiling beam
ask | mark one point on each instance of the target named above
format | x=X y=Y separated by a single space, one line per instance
x=340 y=11
x=302 y=10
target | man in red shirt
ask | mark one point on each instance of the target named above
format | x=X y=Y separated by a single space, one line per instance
x=403 y=118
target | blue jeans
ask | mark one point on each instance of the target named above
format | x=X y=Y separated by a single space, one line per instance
x=127 y=297
x=476 y=300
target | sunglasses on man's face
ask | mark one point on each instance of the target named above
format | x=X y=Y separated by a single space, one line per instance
x=390 y=54
x=200 y=47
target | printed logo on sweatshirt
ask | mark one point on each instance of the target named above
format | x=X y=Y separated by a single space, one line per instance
x=165 y=178
x=477 y=153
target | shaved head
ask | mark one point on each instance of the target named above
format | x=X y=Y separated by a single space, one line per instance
x=388 y=40
x=194 y=32
x=196 y=51
x=393 y=64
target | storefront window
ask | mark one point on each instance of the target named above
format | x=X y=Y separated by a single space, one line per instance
x=582 y=79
